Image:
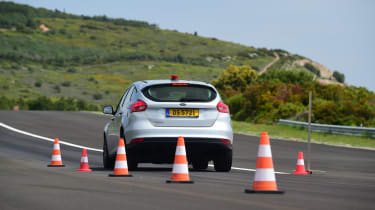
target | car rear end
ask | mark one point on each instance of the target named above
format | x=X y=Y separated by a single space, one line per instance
x=166 y=109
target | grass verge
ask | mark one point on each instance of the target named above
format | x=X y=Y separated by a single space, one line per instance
x=300 y=134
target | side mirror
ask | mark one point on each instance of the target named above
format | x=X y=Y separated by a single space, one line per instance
x=108 y=110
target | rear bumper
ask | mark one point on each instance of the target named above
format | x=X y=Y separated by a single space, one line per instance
x=162 y=150
x=142 y=128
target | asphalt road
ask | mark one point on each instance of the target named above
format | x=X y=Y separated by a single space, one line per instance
x=26 y=182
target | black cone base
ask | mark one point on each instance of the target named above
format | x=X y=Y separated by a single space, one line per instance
x=114 y=175
x=179 y=182
x=56 y=165
x=264 y=191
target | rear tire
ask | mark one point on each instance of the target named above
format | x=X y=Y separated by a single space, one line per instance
x=108 y=162
x=132 y=164
x=200 y=164
x=224 y=162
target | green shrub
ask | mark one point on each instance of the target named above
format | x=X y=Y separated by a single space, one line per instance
x=62 y=31
x=57 y=88
x=286 y=76
x=92 y=79
x=339 y=76
x=66 y=84
x=38 y=84
x=312 y=69
x=97 y=96
x=236 y=104
x=72 y=70
x=45 y=103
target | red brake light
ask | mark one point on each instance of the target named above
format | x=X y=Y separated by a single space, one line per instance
x=137 y=140
x=174 y=77
x=221 y=107
x=225 y=141
x=138 y=106
x=180 y=83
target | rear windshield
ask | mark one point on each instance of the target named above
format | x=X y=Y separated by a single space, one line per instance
x=179 y=93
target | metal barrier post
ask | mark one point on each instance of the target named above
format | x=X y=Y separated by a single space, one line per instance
x=309 y=135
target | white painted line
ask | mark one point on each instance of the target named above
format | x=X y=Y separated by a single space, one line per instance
x=94 y=149
x=248 y=169
x=47 y=139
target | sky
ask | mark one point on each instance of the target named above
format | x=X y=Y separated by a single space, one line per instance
x=339 y=34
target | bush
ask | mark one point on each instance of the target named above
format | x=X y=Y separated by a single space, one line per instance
x=97 y=96
x=62 y=31
x=57 y=88
x=38 y=84
x=66 y=84
x=339 y=76
x=30 y=69
x=72 y=70
x=236 y=77
x=92 y=79
x=312 y=69
x=288 y=110
x=236 y=104
x=287 y=76
x=45 y=103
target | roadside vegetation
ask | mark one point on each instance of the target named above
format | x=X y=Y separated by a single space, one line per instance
x=44 y=103
x=283 y=94
x=300 y=134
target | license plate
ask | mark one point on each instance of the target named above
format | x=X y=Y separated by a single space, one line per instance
x=182 y=112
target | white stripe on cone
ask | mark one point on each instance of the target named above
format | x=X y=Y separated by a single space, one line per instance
x=264 y=151
x=121 y=150
x=180 y=169
x=180 y=150
x=121 y=164
x=84 y=159
x=56 y=147
x=265 y=174
x=56 y=158
x=300 y=162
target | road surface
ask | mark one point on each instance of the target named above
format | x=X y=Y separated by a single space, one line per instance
x=26 y=182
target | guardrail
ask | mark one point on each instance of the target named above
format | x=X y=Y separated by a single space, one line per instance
x=334 y=129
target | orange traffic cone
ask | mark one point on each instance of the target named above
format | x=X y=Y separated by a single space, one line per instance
x=84 y=166
x=300 y=168
x=121 y=164
x=180 y=172
x=56 y=155
x=264 y=181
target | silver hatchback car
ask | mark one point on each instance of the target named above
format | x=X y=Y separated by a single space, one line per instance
x=153 y=113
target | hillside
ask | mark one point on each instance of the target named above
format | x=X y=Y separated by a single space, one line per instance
x=54 y=54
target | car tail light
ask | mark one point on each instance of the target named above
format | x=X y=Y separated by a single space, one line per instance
x=137 y=140
x=180 y=83
x=225 y=141
x=138 y=106
x=221 y=107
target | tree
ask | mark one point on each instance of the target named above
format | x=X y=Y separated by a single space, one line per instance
x=339 y=76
